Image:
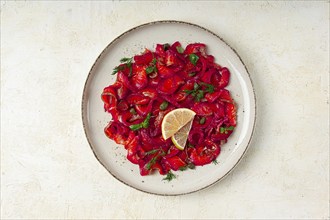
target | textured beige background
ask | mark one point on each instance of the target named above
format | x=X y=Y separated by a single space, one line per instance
x=47 y=167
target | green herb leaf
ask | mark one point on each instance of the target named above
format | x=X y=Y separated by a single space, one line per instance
x=179 y=49
x=125 y=60
x=135 y=127
x=209 y=87
x=191 y=166
x=163 y=106
x=151 y=163
x=188 y=91
x=199 y=96
x=226 y=129
x=116 y=69
x=128 y=62
x=192 y=74
x=151 y=151
x=169 y=176
x=215 y=161
x=222 y=130
x=196 y=86
x=193 y=58
x=230 y=128
x=183 y=168
x=199 y=93
x=202 y=120
x=144 y=124
x=150 y=69
x=154 y=159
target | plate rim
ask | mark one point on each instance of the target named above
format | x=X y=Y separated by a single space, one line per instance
x=84 y=120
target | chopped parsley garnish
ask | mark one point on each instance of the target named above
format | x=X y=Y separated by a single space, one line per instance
x=163 y=106
x=127 y=62
x=196 y=86
x=189 y=165
x=154 y=61
x=169 y=176
x=202 y=120
x=151 y=151
x=209 y=87
x=193 y=58
x=152 y=68
x=183 y=168
x=224 y=130
x=199 y=93
x=154 y=159
x=151 y=163
x=144 y=124
x=179 y=49
x=215 y=162
x=135 y=127
x=196 y=93
x=199 y=96
x=116 y=69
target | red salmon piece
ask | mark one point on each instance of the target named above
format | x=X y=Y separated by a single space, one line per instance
x=164 y=71
x=149 y=92
x=122 y=91
x=117 y=132
x=160 y=168
x=211 y=97
x=109 y=98
x=169 y=85
x=143 y=59
x=160 y=50
x=231 y=113
x=175 y=163
x=196 y=48
x=203 y=108
x=225 y=96
x=139 y=79
x=122 y=105
x=137 y=99
x=133 y=148
x=172 y=152
x=225 y=75
x=205 y=153
x=143 y=168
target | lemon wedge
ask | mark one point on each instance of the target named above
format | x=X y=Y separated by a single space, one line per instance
x=179 y=139
x=175 y=120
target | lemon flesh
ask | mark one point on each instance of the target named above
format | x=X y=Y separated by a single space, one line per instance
x=175 y=120
x=179 y=139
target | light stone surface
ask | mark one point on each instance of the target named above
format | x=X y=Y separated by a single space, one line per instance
x=48 y=169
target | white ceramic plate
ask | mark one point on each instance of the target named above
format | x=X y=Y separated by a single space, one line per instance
x=113 y=156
